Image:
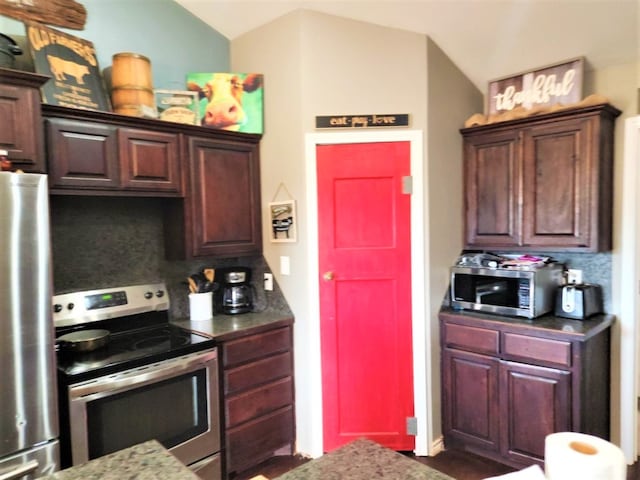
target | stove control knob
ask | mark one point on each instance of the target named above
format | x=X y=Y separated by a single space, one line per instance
x=148 y=295
x=160 y=293
x=71 y=306
x=57 y=308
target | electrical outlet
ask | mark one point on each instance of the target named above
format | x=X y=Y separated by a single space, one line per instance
x=574 y=276
x=268 y=282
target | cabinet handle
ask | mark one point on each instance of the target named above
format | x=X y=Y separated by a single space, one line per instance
x=327 y=276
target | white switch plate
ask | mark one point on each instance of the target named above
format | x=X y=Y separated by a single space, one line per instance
x=574 y=276
x=285 y=267
x=268 y=282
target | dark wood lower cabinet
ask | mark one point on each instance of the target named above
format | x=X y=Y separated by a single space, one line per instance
x=507 y=383
x=535 y=402
x=471 y=398
x=252 y=443
x=258 y=397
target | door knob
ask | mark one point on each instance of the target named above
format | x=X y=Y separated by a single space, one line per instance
x=327 y=276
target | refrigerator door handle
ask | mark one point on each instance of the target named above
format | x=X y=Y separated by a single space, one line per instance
x=21 y=471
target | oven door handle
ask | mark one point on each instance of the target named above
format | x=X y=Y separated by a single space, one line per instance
x=21 y=471
x=142 y=375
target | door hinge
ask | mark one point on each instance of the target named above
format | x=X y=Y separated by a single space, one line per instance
x=407 y=185
x=412 y=426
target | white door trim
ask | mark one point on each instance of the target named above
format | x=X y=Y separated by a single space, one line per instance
x=419 y=290
x=629 y=288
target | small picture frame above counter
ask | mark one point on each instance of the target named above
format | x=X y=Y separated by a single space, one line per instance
x=283 y=221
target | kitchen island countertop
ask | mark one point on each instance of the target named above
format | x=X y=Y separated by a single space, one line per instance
x=228 y=327
x=363 y=459
x=145 y=461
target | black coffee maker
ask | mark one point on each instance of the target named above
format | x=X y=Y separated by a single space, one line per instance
x=234 y=294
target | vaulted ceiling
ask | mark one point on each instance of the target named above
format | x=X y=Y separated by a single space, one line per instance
x=486 y=39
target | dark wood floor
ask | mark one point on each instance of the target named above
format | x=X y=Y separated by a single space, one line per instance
x=459 y=465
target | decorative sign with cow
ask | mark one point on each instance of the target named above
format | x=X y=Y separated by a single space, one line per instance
x=72 y=63
x=229 y=101
x=283 y=221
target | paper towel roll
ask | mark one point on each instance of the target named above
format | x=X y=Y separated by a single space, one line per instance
x=577 y=456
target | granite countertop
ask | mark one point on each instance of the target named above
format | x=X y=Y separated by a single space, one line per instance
x=145 y=461
x=562 y=327
x=226 y=327
x=363 y=459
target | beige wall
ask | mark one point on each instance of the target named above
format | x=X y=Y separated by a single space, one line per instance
x=452 y=98
x=619 y=85
x=316 y=64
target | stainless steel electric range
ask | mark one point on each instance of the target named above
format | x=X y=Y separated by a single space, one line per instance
x=144 y=379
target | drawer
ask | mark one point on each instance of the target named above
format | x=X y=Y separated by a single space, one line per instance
x=253 y=442
x=256 y=346
x=543 y=351
x=257 y=373
x=473 y=339
x=259 y=401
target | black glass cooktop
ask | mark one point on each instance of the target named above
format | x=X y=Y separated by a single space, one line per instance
x=129 y=349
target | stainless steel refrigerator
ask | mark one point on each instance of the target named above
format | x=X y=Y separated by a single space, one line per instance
x=28 y=396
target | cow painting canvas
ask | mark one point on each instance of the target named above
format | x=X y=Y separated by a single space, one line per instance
x=72 y=64
x=229 y=101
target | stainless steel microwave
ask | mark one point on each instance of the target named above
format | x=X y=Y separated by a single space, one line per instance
x=522 y=292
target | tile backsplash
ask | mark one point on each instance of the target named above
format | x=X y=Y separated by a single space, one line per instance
x=102 y=242
x=596 y=268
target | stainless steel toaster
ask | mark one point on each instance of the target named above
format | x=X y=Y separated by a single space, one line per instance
x=579 y=301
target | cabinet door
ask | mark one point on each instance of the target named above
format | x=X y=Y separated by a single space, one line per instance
x=534 y=402
x=557 y=165
x=150 y=161
x=470 y=399
x=82 y=155
x=21 y=132
x=250 y=443
x=225 y=198
x=491 y=189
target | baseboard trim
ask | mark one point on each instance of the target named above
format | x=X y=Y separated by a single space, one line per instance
x=437 y=446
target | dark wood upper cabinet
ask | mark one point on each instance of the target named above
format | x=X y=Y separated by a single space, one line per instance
x=109 y=158
x=542 y=182
x=492 y=171
x=150 y=160
x=222 y=211
x=82 y=155
x=214 y=175
x=21 y=119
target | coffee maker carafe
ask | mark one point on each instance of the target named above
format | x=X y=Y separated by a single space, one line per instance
x=235 y=290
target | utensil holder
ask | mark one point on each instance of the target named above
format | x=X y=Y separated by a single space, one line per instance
x=201 y=306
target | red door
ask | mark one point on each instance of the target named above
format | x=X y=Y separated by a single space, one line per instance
x=365 y=293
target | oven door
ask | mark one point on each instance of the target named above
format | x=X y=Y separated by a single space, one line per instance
x=174 y=401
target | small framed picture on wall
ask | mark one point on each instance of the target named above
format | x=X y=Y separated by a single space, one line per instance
x=283 y=221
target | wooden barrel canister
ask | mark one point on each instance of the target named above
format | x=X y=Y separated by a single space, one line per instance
x=132 y=84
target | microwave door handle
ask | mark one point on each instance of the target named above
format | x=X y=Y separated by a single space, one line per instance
x=141 y=376
x=21 y=471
